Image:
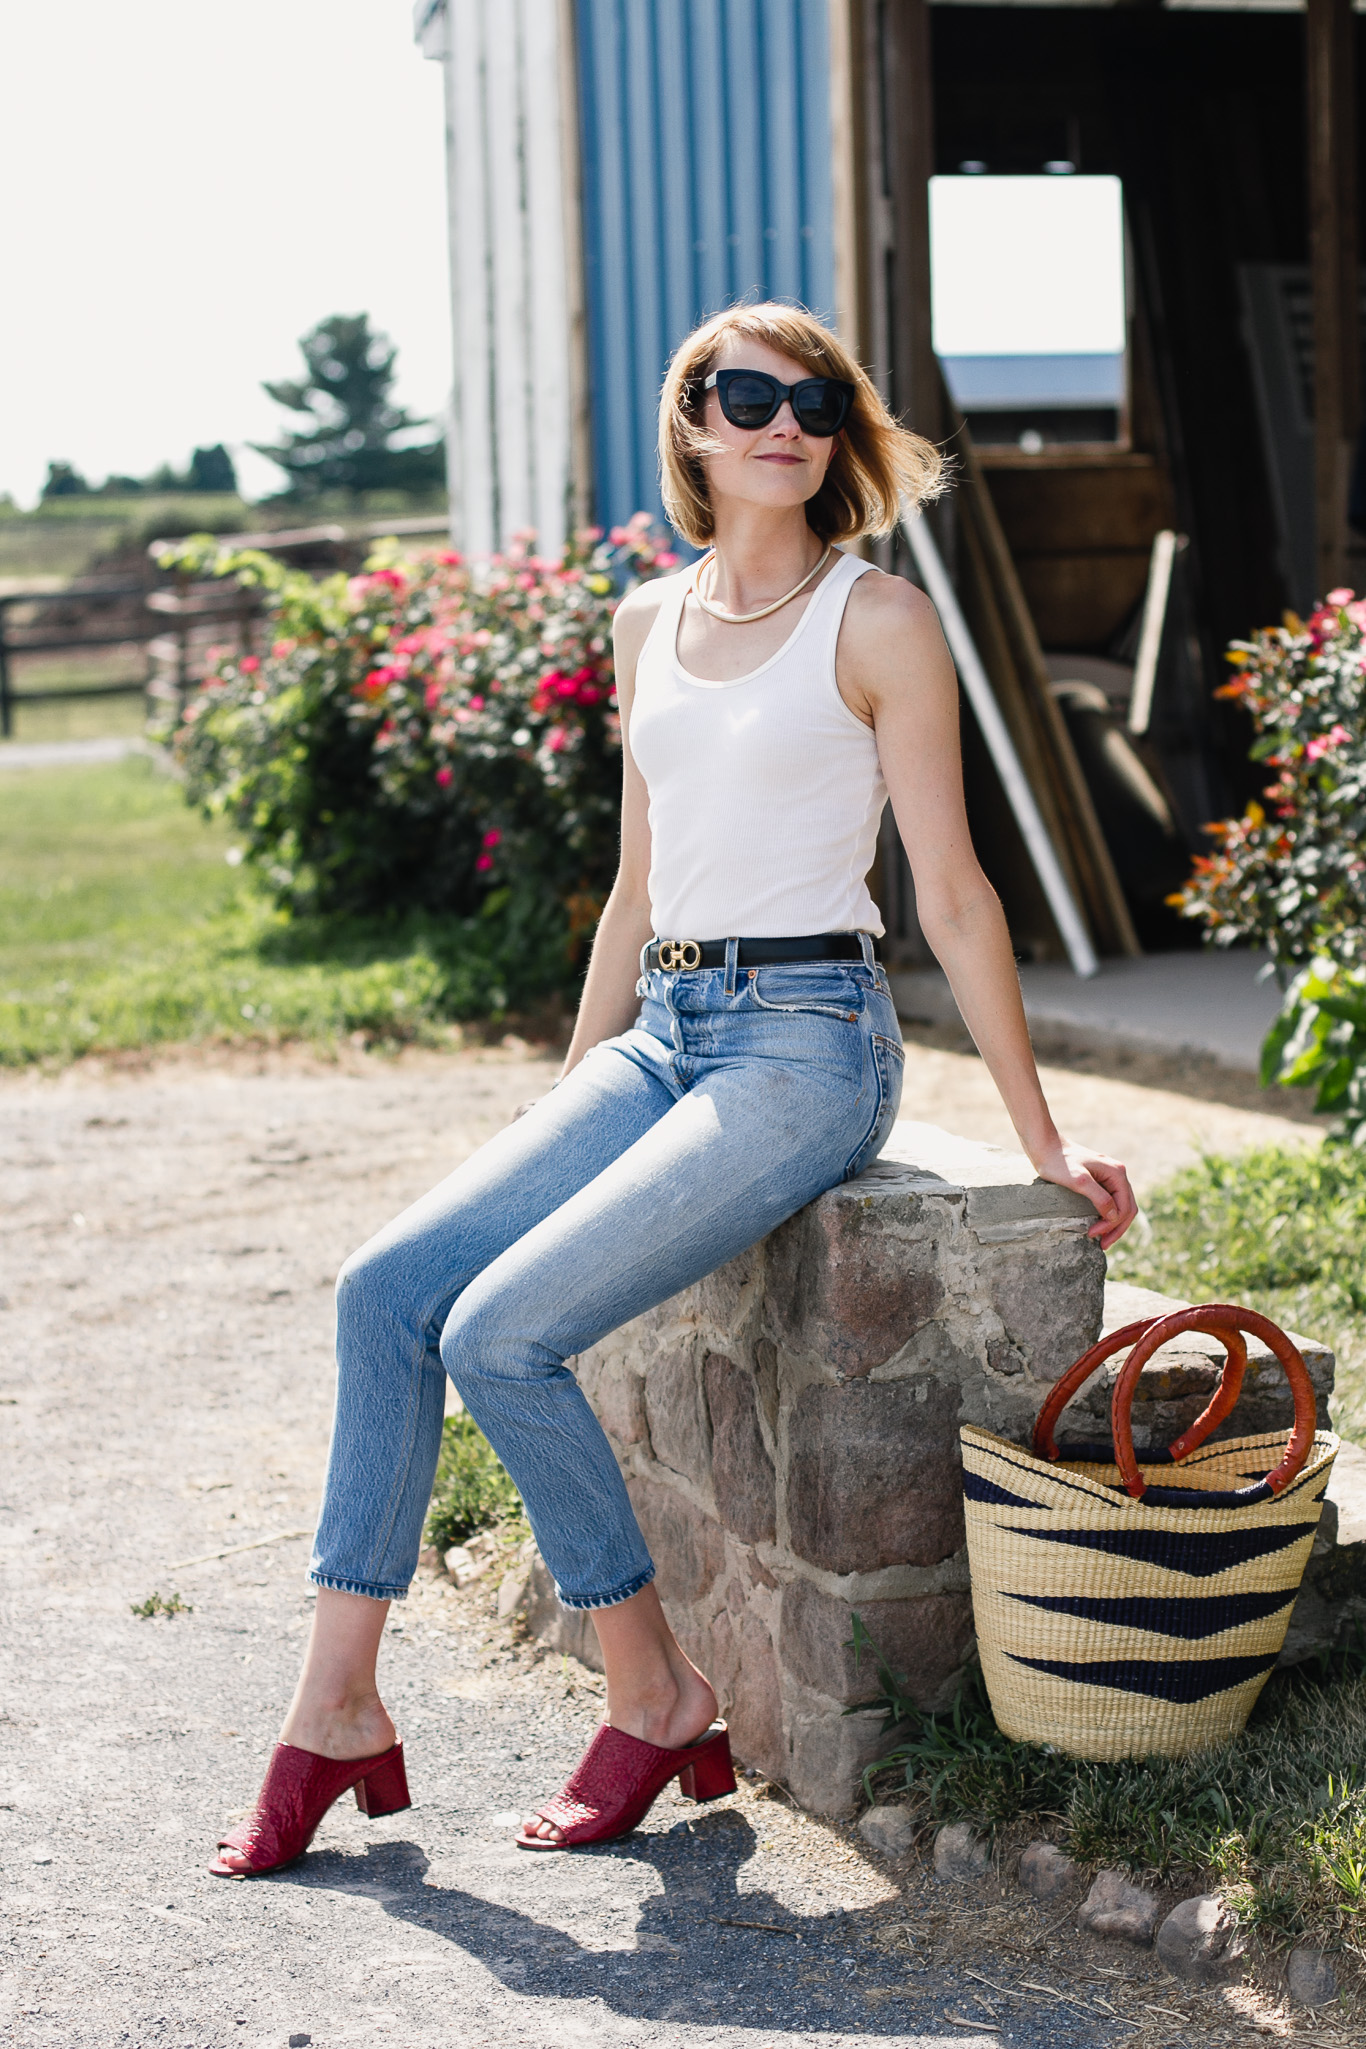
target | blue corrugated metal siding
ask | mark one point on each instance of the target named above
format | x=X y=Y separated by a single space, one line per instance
x=706 y=179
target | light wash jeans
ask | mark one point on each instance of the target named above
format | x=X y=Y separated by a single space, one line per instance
x=734 y=1099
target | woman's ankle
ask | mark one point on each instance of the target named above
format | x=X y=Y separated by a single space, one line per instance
x=671 y=1711
x=356 y=1726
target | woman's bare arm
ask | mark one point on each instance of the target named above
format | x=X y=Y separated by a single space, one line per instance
x=895 y=672
x=609 y=1002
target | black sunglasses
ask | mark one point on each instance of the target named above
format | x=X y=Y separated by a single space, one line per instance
x=751 y=398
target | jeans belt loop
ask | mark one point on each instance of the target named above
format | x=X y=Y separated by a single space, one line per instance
x=869 y=957
x=732 y=964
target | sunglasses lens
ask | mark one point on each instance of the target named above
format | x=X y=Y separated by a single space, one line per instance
x=820 y=405
x=750 y=400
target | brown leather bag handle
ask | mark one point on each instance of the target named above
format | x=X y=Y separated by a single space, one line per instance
x=1220 y=1320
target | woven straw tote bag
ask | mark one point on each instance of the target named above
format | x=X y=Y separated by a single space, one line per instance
x=1128 y=1609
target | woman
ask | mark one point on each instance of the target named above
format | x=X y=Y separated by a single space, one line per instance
x=736 y=1053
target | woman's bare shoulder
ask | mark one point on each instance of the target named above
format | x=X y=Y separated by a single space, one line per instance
x=640 y=606
x=879 y=603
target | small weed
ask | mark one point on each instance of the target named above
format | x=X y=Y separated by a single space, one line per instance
x=472 y=1489
x=161 y=1604
x=1275 y=1819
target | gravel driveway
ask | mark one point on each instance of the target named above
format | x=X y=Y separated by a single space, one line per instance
x=171 y=1235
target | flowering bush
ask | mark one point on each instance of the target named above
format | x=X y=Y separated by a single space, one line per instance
x=1290 y=875
x=433 y=734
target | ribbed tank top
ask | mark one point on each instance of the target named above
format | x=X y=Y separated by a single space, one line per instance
x=766 y=792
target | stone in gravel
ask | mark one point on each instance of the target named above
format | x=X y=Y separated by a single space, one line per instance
x=1046 y=1871
x=299 y=2041
x=513 y=1592
x=1313 y=1981
x=1119 y=1911
x=889 y=1829
x=1199 y=1940
x=960 y=1854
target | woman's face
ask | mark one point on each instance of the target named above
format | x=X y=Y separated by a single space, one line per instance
x=779 y=465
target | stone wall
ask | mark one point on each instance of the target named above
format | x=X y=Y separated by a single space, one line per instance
x=789 y=1433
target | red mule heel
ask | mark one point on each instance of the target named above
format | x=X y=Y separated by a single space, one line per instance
x=384 y=1790
x=619 y=1778
x=295 y=1794
x=711 y=1775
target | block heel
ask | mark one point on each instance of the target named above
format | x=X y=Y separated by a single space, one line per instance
x=711 y=1775
x=384 y=1791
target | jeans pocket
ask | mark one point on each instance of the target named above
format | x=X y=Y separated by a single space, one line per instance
x=888 y=1058
x=826 y=992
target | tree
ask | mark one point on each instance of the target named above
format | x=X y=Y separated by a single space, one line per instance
x=211 y=469
x=64 y=481
x=349 y=444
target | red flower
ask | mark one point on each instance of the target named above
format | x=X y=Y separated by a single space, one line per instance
x=445 y=776
x=249 y=664
x=431 y=696
x=492 y=837
x=484 y=863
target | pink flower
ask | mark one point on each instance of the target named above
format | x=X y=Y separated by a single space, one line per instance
x=379 y=679
x=492 y=837
x=555 y=739
x=484 y=863
x=1338 y=598
x=250 y=664
x=1326 y=742
x=476 y=703
x=445 y=776
x=449 y=559
x=666 y=560
x=284 y=647
x=431 y=696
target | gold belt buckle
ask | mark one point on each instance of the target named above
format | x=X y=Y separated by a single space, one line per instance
x=679 y=953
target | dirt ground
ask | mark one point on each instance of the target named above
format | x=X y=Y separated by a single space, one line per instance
x=171 y=1232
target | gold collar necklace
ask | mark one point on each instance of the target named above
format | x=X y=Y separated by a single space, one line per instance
x=747 y=618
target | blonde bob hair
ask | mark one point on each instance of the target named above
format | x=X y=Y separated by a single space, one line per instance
x=878 y=466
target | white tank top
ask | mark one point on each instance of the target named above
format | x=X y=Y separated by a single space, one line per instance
x=766 y=792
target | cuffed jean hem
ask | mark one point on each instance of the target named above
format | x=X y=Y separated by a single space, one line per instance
x=358 y=1586
x=613 y=1600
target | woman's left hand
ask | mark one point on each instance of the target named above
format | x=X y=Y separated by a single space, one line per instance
x=1103 y=1182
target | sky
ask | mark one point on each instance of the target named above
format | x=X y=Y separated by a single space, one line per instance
x=1027 y=266
x=189 y=188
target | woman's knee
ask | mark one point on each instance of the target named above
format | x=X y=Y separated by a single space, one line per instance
x=479 y=1344
x=374 y=1288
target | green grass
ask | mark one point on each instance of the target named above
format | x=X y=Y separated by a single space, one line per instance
x=1275 y=1820
x=122 y=925
x=472 y=1491
x=1281 y=1229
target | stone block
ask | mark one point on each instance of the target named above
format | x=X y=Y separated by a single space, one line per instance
x=1311 y=1977
x=677 y=1416
x=564 y=1629
x=616 y=1392
x=1120 y=1911
x=828 y=1752
x=1047 y=1872
x=726 y=1299
x=1198 y=1941
x=924 y=1639
x=752 y=1701
x=742 y=1471
x=688 y=1547
x=851 y=1280
x=874 y=1476
x=961 y=1856
x=890 y=1830
x=1048 y=1290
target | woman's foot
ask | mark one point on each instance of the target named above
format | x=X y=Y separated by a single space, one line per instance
x=654 y=1691
x=339 y=1729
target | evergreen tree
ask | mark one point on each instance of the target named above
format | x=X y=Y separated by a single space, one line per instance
x=211 y=470
x=64 y=481
x=348 y=444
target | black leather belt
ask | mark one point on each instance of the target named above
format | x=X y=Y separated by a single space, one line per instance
x=673 y=954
